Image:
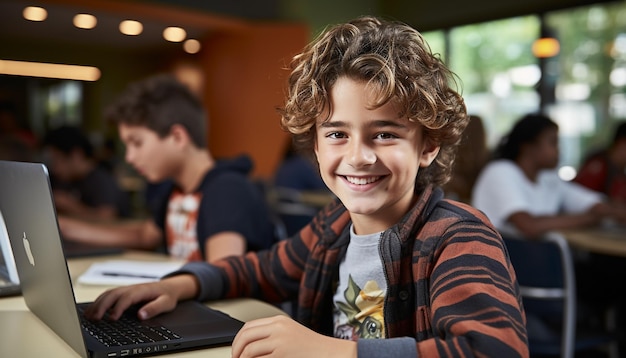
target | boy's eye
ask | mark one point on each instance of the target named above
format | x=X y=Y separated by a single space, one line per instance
x=385 y=135
x=335 y=135
x=134 y=143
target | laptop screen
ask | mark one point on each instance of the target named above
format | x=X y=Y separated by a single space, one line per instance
x=9 y=280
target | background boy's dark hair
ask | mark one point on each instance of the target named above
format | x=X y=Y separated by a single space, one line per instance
x=159 y=102
x=526 y=130
x=66 y=139
x=398 y=64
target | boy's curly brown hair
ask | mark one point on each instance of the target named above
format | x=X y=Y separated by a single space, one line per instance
x=397 y=63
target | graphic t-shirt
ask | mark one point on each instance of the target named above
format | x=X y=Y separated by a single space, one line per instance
x=359 y=299
x=180 y=226
x=225 y=201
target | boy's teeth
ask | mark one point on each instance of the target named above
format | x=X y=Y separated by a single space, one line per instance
x=362 y=181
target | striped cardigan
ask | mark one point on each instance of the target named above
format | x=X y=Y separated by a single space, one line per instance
x=450 y=285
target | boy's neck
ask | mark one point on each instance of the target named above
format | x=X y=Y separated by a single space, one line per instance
x=369 y=224
x=192 y=171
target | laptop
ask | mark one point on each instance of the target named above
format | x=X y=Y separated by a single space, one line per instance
x=9 y=280
x=28 y=210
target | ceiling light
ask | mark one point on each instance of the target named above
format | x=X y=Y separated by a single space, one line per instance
x=192 y=46
x=131 y=27
x=35 y=13
x=546 y=47
x=49 y=70
x=174 y=34
x=85 y=21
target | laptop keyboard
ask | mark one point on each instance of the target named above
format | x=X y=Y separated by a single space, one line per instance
x=126 y=330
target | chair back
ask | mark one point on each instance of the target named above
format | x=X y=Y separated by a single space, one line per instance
x=290 y=210
x=545 y=273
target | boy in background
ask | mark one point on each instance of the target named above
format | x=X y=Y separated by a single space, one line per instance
x=82 y=187
x=208 y=208
x=391 y=258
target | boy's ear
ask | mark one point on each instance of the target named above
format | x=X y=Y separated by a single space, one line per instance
x=179 y=133
x=429 y=153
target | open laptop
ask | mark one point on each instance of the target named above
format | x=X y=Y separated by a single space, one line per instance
x=9 y=280
x=31 y=224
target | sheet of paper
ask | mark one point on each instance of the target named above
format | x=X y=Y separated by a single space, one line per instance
x=126 y=272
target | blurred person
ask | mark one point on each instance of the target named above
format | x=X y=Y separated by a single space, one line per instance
x=391 y=268
x=521 y=191
x=205 y=208
x=605 y=170
x=298 y=171
x=16 y=142
x=472 y=155
x=298 y=191
x=81 y=187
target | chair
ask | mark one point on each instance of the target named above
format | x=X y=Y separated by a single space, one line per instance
x=289 y=214
x=545 y=272
x=291 y=210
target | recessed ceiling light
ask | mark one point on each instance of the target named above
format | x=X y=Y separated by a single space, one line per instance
x=35 y=13
x=85 y=21
x=174 y=34
x=131 y=27
x=192 y=46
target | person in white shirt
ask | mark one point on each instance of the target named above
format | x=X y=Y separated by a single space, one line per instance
x=520 y=190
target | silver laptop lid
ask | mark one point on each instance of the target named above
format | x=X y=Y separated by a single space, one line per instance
x=31 y=224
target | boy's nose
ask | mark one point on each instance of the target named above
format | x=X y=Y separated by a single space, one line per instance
x=129 y=156
x=361 y=154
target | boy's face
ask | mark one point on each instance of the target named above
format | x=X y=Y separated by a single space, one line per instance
x=149 y=154
x=369 y=158
x=63 y=165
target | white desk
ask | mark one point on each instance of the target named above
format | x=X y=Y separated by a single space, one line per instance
x=22 y=335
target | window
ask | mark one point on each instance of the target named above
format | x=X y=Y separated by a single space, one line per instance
x=500 y=76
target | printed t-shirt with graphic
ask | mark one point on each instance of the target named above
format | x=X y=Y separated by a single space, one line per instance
x=360 y=296
x=180 y=225
x=225 y=201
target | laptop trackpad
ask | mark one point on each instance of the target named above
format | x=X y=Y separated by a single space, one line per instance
x=193 y=317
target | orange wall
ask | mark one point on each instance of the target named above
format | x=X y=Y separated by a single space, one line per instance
x=245 y=83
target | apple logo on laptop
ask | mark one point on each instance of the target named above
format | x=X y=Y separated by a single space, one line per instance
x=29 y=253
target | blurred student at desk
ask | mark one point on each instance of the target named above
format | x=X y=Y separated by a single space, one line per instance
x=520 y=190
x=391 y=267
x=82 y=187
x=298 y=171
x=605 y=171
x=209 y=208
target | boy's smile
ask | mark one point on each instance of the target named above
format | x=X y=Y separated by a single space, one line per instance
x=369 y=157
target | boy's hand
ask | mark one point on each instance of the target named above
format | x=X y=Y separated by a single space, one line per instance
x=280 y=336
x=159 y=297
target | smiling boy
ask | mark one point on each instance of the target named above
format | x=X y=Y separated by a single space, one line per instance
x=390 y=258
